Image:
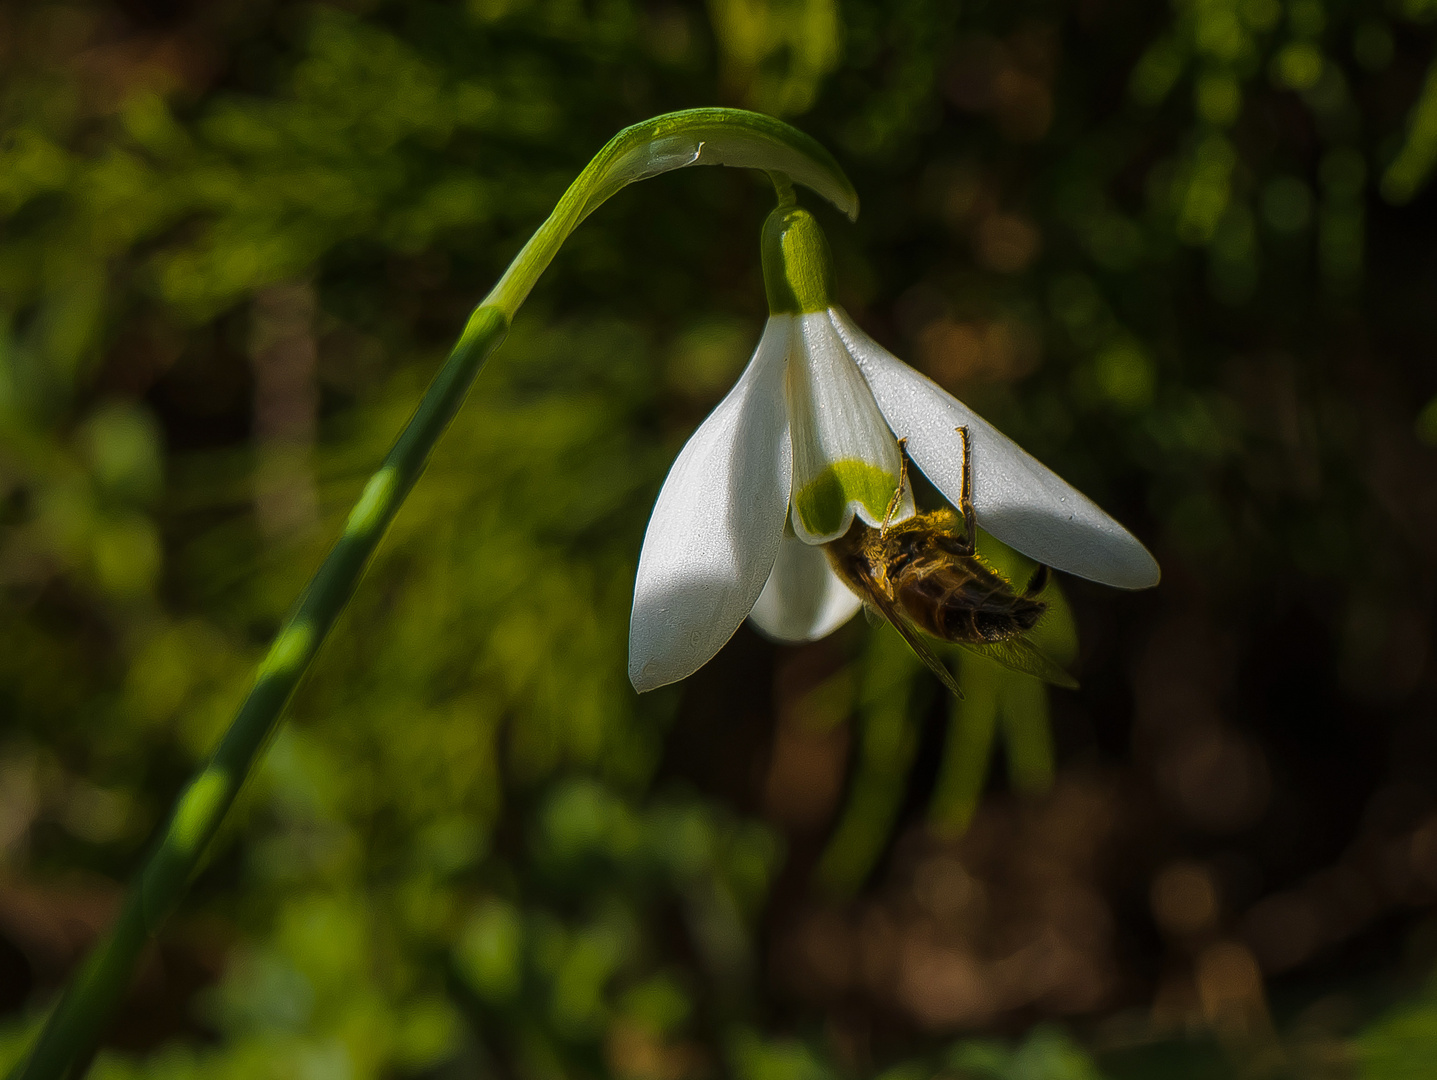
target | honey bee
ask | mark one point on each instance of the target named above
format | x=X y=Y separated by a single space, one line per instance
x=924 y=576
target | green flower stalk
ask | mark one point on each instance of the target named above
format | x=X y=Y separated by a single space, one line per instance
x=676 y=140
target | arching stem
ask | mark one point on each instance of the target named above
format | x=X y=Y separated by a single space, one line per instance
x=674 y=140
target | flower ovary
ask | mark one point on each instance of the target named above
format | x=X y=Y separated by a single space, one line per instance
x=797 y=267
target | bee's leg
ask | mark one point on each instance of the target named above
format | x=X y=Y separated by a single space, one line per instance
x=965 y=499
x=1038 y=582
x=897 y=500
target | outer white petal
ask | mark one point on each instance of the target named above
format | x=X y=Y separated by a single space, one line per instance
x=804 y=599
x=715 y=530
x=845 y=457
x=1015 y=497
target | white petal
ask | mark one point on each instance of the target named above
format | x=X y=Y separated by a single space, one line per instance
x=1015 y=497
x=845 y=457
x=804 y=599
x=714 y=533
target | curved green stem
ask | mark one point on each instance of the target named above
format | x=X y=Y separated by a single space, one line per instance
x=694 y=137
x=674 y=141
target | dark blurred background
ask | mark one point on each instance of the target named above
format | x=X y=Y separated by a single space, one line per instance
x=1184 y=254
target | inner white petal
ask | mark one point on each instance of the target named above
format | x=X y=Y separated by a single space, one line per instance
x=1015 y=497
x=715 y=530
x=845 y=457
x=804 y=599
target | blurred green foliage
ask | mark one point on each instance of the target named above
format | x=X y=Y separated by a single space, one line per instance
x=1159 y=245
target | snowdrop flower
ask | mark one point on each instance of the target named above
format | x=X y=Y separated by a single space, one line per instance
x=805 y=442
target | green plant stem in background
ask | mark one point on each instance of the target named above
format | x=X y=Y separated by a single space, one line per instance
x=889 y=737
x=693 y=137
x=972 y=725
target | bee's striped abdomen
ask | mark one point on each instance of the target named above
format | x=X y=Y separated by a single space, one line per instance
x=963 y=602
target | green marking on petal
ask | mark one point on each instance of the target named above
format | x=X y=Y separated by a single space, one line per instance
x=198 y=808
x=822 y=501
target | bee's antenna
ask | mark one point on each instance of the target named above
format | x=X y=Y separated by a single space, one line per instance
x=897 y=500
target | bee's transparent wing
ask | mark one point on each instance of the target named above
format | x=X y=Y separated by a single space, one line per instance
x=877 y=603
x=914 y=637
x=1022 y=655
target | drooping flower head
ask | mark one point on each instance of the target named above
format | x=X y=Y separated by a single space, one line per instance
x=807 y=440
